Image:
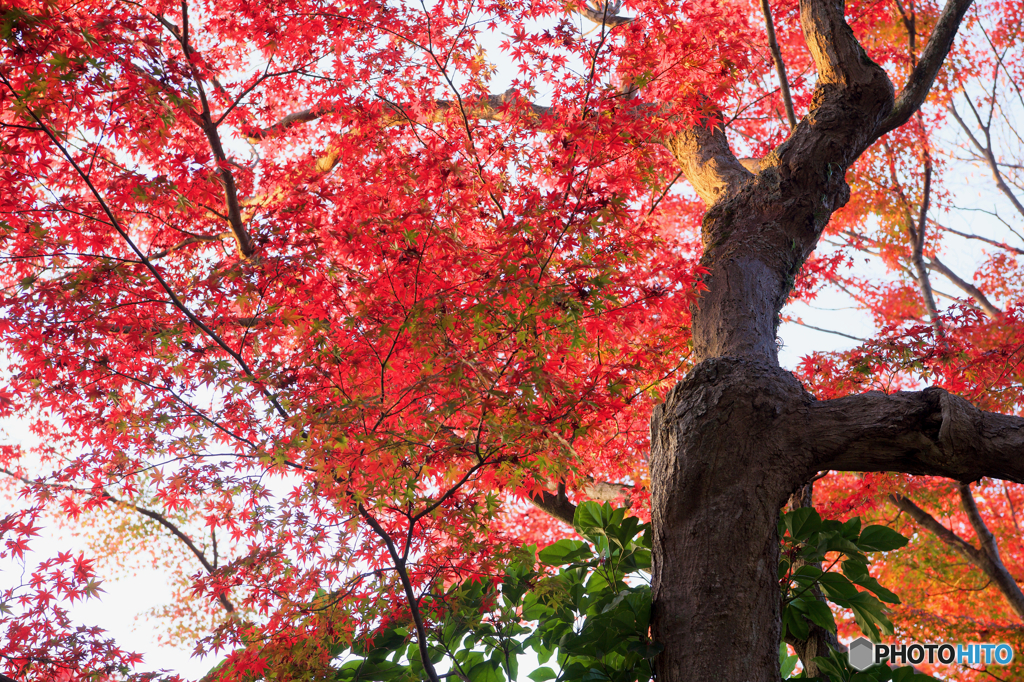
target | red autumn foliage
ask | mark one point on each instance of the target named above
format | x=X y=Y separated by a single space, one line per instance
x=288 y=286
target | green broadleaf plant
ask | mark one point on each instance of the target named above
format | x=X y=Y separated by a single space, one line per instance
x=590 y=620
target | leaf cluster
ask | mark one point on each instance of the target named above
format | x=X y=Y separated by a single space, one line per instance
x=582 y=607
x=811 y=548
x=590 y=619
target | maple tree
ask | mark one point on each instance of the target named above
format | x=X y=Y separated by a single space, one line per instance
x=293 y=298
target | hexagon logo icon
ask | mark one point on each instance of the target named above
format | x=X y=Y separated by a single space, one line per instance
x=862 y=653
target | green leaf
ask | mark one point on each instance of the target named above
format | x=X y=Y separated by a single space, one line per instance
x=880 y=539
x=807 y=572
x=803 y=522
x=794 y=624
x=356 y=671
x=591 y=515
x=786 y=662
x=624 y=532
x=869 y=614
x=485 y=672
x=637 y=560
x=564 y=552
x=541 y=674
x=832 y=667
x=851 y=529
x=820 y=614
x=838 y=588
x=883 y=593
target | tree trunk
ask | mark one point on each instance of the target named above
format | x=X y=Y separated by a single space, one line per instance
x=739 y=434
x=719 y=479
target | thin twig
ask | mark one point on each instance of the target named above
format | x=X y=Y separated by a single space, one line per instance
x=410 y=596
x=242 y=239
x=175 y=300
x=780 y=66
x=827 y=331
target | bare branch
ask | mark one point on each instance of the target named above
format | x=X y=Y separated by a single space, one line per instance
x=242 y=239
x=917 y=258
x=917 y=87
x=827 y=331
x=970 y=505
x=292 y=119
x=931 y=524
x=993 y=242
x=780 y=66
x=990 y=159
x=968 y=288
x=489 y=108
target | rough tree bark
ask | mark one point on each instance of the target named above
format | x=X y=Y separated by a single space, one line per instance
x=739 y=435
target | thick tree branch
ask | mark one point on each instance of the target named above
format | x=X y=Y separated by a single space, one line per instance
x=970 y=505
x=759 y=230
x=929 y=433
x=706 y=160
x=494 y=107
x=556 y=503
x=603 y=491
x=840 y=59
x=917 y=87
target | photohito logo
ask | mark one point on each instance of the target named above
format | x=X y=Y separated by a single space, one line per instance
x=864 y=653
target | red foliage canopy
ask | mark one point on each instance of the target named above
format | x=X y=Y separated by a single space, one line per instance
x=290 y=285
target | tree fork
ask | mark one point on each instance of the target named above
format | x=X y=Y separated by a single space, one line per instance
x=739 y=435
